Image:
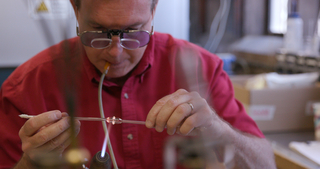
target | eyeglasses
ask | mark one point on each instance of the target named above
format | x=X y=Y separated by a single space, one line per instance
x=129 y=39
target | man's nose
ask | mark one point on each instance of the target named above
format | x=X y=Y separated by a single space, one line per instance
x=115 y=48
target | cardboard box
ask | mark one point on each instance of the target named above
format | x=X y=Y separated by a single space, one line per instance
x=275 y=110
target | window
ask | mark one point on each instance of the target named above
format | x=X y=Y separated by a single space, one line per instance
x=278 y=13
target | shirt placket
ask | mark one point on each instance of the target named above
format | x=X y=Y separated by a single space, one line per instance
x=129 y=131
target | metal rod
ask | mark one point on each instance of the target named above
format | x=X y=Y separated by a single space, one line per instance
x=25 y=116
x=133 y=122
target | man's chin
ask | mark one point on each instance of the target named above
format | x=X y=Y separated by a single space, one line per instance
x=116 y=76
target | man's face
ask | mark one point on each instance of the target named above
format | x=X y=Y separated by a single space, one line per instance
x=95 y=15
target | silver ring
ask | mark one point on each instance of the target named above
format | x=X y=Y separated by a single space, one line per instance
x=191 y=106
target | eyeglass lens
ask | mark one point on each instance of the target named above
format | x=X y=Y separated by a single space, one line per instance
x=130 y=40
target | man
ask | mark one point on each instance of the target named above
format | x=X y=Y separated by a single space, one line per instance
x=171 y=84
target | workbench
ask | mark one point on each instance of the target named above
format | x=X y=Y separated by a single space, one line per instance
x=284 y=156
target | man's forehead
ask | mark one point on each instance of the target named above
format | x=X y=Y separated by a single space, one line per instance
x=133 y=6
x=116 y=13
x=120 y=2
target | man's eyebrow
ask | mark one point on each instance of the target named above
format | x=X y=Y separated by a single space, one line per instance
x=93 y=23
x=136 y=25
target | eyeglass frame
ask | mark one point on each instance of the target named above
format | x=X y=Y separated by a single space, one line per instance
x=119 y=33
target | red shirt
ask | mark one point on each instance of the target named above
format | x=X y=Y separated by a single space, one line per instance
x=39 y=85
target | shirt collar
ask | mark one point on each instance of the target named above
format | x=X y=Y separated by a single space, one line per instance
x=90 y=69
x=147 y=59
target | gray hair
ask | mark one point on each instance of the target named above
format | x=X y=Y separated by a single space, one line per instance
x=154 y=2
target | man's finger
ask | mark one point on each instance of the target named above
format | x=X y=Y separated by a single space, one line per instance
x=50 y=132
x=153 y=113
x=169 y=109
x=60 y=142
x=67 y=137
x=35 y=123
x=178 y=116
x=202 y=118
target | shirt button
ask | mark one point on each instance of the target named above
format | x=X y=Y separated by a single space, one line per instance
x=126 y=96
x=130 y=136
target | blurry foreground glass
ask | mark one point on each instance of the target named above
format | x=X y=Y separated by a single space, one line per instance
x=198 y=153
x=129 y=39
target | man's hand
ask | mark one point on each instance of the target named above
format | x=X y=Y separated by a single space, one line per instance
x=182 y=111
x=46 y=132
x=175 y=112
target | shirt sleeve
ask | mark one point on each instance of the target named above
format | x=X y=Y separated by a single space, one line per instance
x=226 y=105
x=10 y=149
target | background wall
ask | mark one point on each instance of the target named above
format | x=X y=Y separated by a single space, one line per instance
x=202 y=13
x=172 y=16
x=22 y=36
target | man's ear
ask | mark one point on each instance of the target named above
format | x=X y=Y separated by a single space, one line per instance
x=154 y=10
x=75 y=8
